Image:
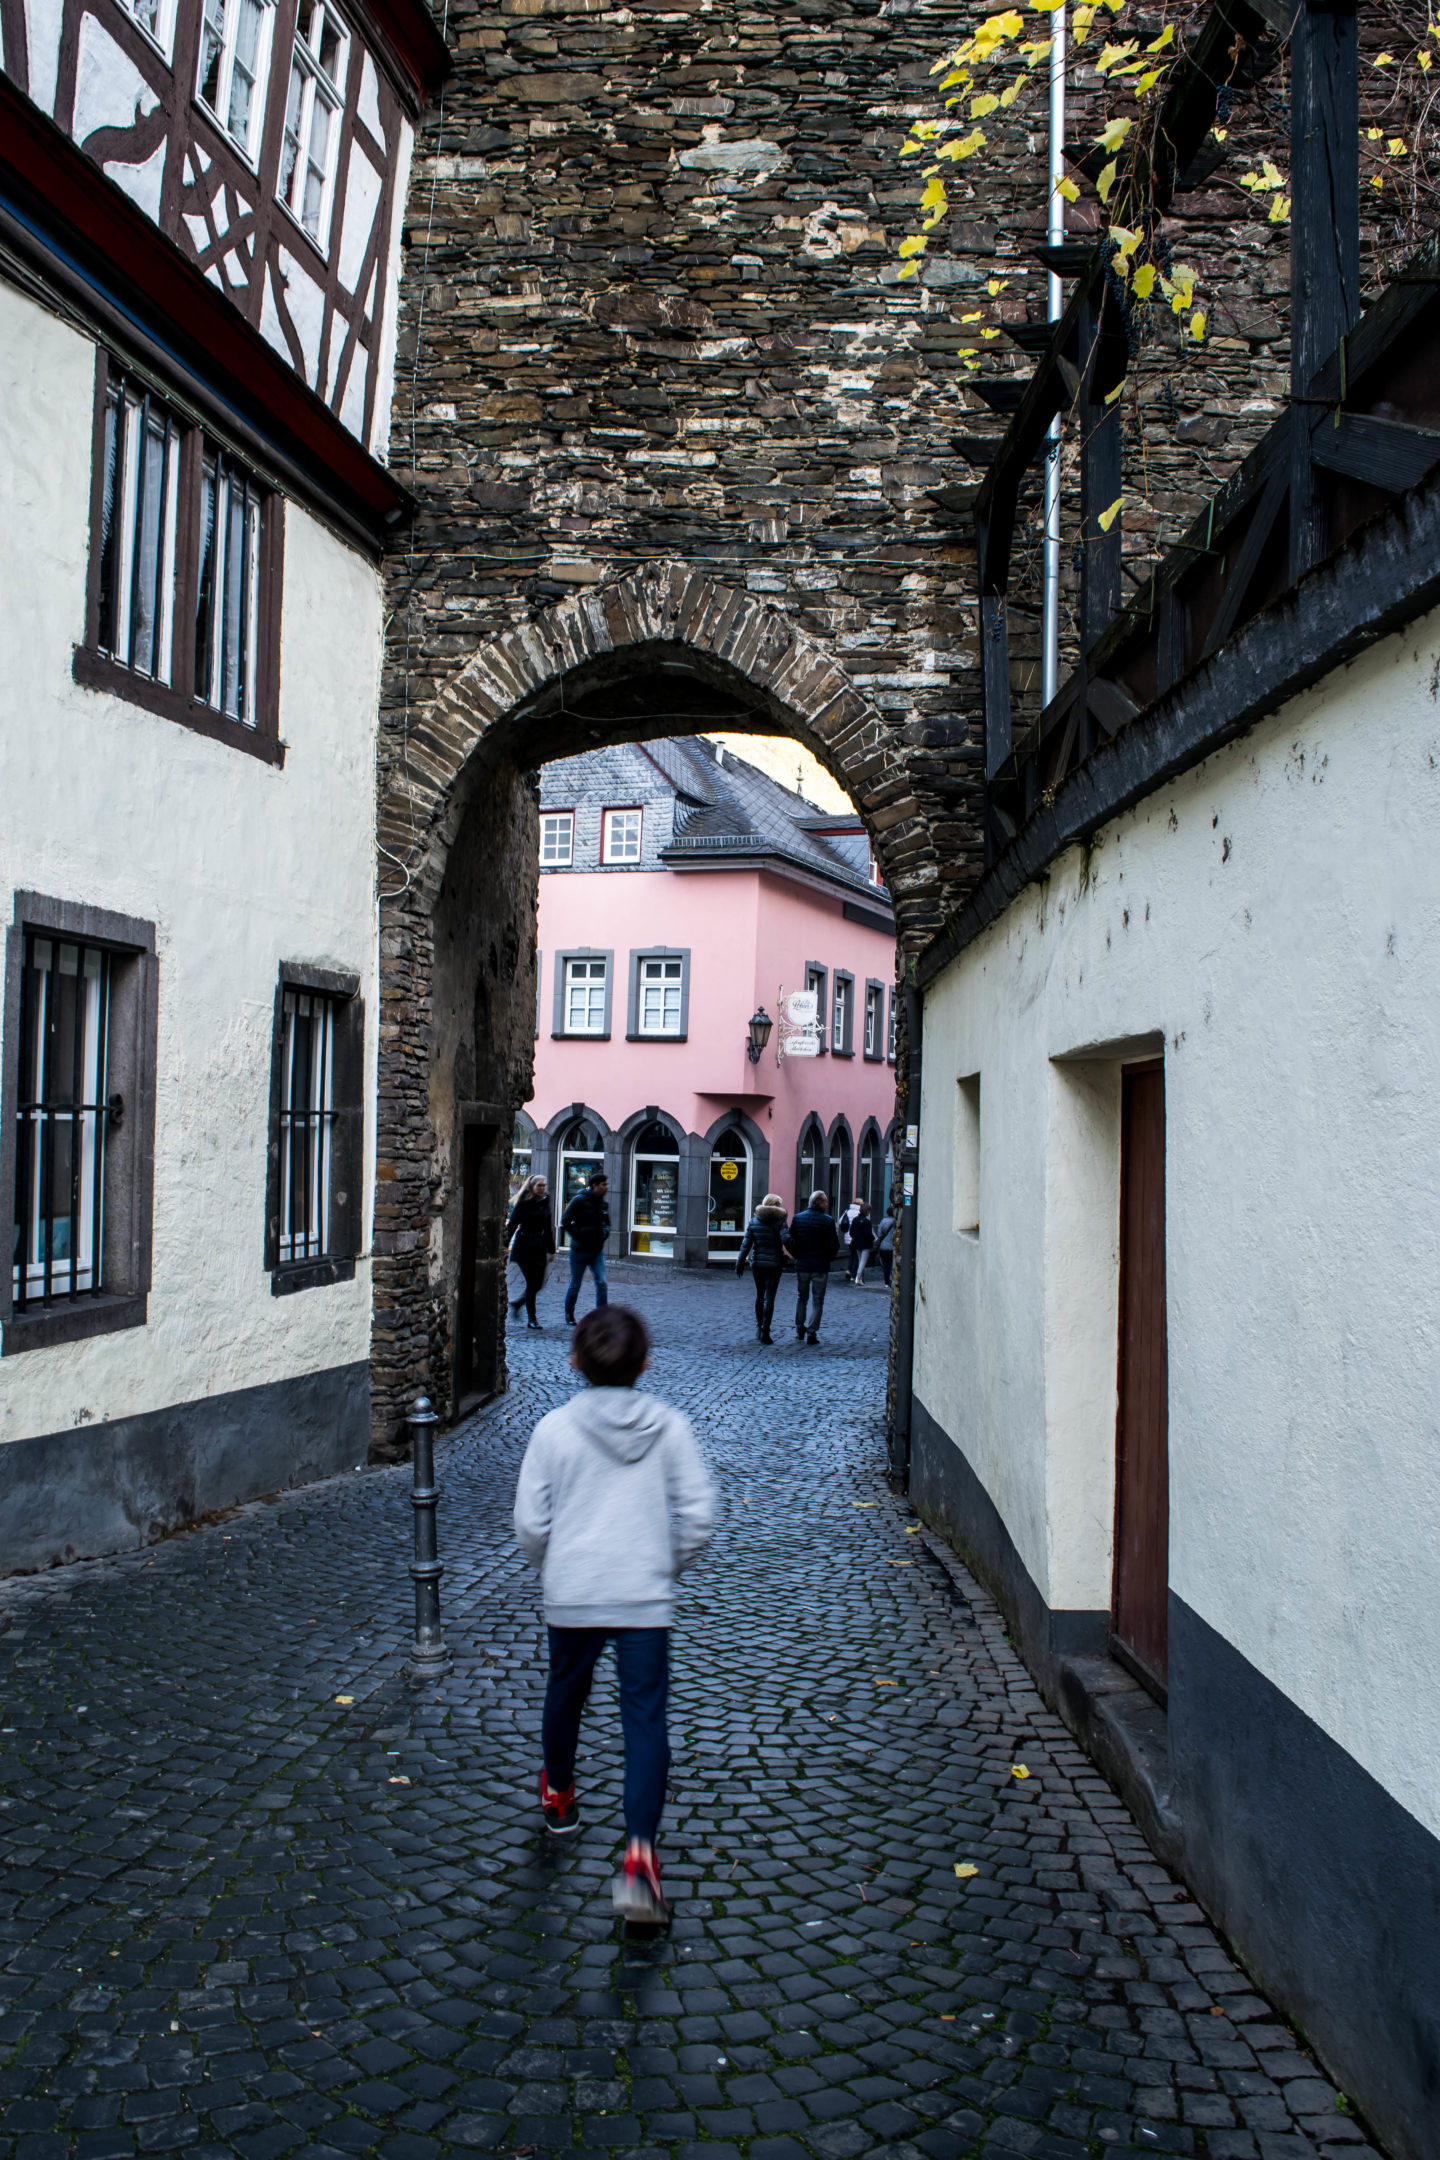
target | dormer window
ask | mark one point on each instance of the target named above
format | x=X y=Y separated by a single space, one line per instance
x=620 y=836
x=312 y=117
x=234 y=63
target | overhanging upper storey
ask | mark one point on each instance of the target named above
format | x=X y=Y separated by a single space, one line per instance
x=268 y=141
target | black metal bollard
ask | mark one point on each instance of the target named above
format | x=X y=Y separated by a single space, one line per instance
x=427 y=1654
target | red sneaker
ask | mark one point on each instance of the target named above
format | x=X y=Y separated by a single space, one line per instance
x=636 y=1890
x=561 y=1809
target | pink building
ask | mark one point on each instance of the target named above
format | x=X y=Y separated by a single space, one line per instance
x=683 y=895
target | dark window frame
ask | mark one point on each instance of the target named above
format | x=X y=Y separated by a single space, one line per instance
x=345 y=1229
x=844 y=982
x=97 y=670
x=129 y=1174
x=559 y=1032
x=875 y=989
x=890 y=1026
x=633 y=1030
x=822 y=1010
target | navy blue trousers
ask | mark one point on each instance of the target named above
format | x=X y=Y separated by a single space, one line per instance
x=642 y=1658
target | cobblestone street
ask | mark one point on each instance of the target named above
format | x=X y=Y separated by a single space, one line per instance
x=262 y=1898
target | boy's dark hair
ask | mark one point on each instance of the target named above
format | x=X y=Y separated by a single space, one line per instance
x=611 y=1345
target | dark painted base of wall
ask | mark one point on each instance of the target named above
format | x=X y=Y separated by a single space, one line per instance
x=1325 y=1886
x=108 y=1488
x=946 y=1491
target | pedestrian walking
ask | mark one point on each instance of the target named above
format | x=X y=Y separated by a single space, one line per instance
x=846 y=1218
x=812 y=1242
x=586 y=1222
x=885 y=1244
x=530 y=1239
x=862 y=1241
x=765 y=1237
x=613 y=1501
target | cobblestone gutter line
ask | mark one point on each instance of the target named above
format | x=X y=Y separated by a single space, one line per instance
x=263 y=1899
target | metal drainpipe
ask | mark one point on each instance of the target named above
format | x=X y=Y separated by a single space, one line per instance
x=899 y=1462
x=1055 y=234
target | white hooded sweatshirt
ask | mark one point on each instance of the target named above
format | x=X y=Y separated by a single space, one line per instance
x=613 y=1501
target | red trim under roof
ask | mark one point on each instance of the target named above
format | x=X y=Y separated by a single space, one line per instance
x=139 y=270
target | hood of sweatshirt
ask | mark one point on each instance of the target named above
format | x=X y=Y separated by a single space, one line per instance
x=624 y=1422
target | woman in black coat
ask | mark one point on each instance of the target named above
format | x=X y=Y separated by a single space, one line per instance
x=530 y=1236
x=764 y=1238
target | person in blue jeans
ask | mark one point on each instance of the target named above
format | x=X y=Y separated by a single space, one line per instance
x=613 y=1501
x=586 y=1222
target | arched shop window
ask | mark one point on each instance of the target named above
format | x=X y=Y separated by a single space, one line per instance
x=812 y=1165
x=729 y=1194
x=654 y=1192
x=839 y=1183
x=870 y=1189
x=521 y=1156
x=581 y=1152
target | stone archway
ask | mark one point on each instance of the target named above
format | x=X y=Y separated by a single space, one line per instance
x=458 y=886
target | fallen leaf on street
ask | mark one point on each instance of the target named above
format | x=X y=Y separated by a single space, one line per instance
x=887 y=1683
x=912 y=1529
x=965 y=1869
x=345 y=1698
x=864 y=1503
x=899 y=1563
x=1019 y=1770
x=399 y=1781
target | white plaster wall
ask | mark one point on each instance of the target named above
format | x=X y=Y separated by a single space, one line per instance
x=1276 y=914
x=238 y=865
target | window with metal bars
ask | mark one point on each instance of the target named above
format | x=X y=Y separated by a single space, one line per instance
x=60 y=1123
x=138 y=517
x=316 y=1129
x=227 y=595
x=307 y=1118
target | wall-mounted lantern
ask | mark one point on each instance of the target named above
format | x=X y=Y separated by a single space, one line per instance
x=760 y=1027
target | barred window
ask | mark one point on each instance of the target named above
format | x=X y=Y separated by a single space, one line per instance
x=228 y=593
x=307 y=1117
x=60 y=1119
x=140 y=492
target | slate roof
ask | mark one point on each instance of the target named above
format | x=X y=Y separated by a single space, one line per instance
x=729 y=811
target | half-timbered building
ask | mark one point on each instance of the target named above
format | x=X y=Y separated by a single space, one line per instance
x=200 y=205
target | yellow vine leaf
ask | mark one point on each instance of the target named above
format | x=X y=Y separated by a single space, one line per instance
x=1424 y=60
x=915 y=245
x=1273 y=176
x=1068 y=189
x=966 y=352
x=1144 y=281
x=1112 y=55
x=1166 y=37
x=1397 y=146
x=1384 y=59
x=994 y=285
x=1046 y=7
x=1080 y=26
x=1117 y=392
x=983 y=105
x=1008 y=97
x=973 y=316
x=910 y=269
x=1373 y=134
x=1111 y=137
x=1219 y=133
x=1011 y=22
x=969 y=144
x=1106 y=181
x=1148 y=81
x=989 y=333
x=1197 y=325
x=1377 y=179
x=1037 y=49
x=934 y=195
x=1105 y=521
x=1279 y=209
x=1181 y=290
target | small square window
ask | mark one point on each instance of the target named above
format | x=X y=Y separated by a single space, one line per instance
x=234 y=64
x=313 y=106
x=557 y=839
x=620 y=837
x=585 y=997
x=661 y=987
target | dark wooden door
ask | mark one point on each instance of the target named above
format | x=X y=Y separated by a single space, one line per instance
x=1142 y=1442
x=482 y=1267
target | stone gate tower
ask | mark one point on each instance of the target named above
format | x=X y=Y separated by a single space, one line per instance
x=680 y=438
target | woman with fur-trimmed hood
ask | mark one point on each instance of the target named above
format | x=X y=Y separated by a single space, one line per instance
x=765 y=1238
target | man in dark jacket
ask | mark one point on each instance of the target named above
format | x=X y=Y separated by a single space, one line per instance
x=812 y=1242
x=586 y=1222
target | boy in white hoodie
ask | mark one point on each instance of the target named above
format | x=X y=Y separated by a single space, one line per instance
x=613 y=1501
